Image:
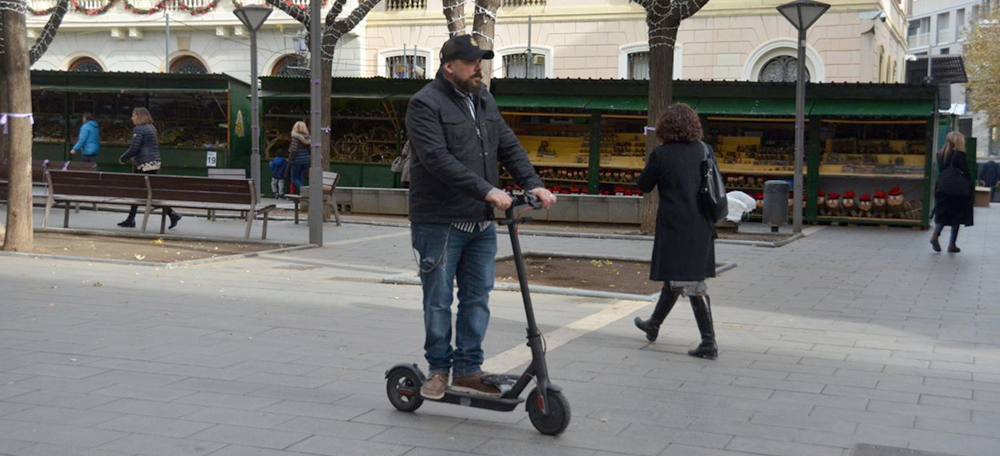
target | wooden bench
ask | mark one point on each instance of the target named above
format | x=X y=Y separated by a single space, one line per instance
x=97 y=187
x=226 y=173
x=76 y=166
x=38 y=168
x=210 y=194
x=330 y=181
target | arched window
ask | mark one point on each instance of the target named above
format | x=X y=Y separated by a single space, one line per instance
x=188 y=65
x=515 y=62
x=781 y=69
x=86 y=65
x=291 y=65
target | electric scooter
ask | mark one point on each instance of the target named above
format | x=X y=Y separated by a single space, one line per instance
x=547 y=407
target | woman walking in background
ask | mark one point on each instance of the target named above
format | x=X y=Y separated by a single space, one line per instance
x=298 y=151
x=144 y=151
x=684 y=245
x=953 y=194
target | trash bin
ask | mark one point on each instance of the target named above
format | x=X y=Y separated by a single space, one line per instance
x=776 y=202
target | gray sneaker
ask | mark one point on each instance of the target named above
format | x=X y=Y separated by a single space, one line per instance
x=433 y=388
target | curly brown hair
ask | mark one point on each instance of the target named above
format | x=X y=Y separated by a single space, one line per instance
x=679 y=123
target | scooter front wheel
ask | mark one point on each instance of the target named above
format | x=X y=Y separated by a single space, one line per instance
x=403 y=389
x=558 y=417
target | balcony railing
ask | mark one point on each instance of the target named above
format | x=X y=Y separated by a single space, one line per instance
x=405 y=4
x=510 y=3
x=918 y=40
x=944 y=36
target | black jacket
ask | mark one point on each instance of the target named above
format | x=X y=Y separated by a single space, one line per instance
x=989 y=173
x=454 y=160
x=145 y=146
x=954 y=210
x=684 y=246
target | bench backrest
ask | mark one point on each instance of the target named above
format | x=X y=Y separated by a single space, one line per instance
x=38 y=168
x=227 y=173
x=330 y=181
x=74 y=166
x=202 y=189
x=90 y=183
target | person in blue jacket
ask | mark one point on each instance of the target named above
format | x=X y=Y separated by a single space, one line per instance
x=89 y=140
x=279 y=166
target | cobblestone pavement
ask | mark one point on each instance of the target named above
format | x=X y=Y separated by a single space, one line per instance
x=851 y=335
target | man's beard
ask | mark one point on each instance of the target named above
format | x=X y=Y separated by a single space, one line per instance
x=471 y=85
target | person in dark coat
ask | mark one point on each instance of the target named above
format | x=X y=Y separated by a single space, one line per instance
x=298 y=153
x=144 y=151
x=989 y=173
x=684 y=246
x=952 y=210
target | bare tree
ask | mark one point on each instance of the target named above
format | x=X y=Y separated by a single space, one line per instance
x=663 y=18
x=333 y=30
x=483 y=26
x=15 y=140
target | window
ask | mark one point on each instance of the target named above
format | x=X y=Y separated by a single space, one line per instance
x=919 y=32
x=944 y=51
x=959 y=24
x=781 y=69
x=638 y=65
x=188 y=65
x=943 y=28
x=523 y=66
x=86 y=65
x=291 y=65
x=406 y=67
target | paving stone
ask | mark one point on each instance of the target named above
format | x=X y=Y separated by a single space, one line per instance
x=59 y=370
x=315 y=410
x=59 y=399
x=154 y=445
x=63 y=415
x=142 y=392
x=234 y=417
x=776 y=448
x=335 y=446
x=420 y=421
x=166 y=427
x=149 y=408
x=443 y=440
x=56 y=434
x=227 y=401
x=45 y=449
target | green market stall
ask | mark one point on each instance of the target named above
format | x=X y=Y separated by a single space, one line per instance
x=203 y=121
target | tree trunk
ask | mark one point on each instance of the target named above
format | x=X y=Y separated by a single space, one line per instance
x=482 y=30
x=661 y=91
x=454 y=13
x=15 y=79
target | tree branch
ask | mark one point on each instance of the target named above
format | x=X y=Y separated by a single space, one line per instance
x=338 y=7
x=48 y=33
x=347 y=24
x=295 y=12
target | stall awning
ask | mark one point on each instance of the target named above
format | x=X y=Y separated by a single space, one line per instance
x=748 y=107
x=140 y=90
x=618 y=104
x=544 y=101
x=271 y=95
x=873 y=108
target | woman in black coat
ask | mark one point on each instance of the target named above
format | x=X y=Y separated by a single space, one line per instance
x=684 y=246
x=952 y=210
x=144 y=151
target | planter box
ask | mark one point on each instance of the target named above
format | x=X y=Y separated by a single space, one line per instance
x=571 y=208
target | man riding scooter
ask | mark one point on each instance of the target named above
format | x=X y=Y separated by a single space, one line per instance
x=458 y=137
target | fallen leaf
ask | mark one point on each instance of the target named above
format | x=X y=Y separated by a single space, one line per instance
x=140 y=257
x=158 y=241
x=98 y=284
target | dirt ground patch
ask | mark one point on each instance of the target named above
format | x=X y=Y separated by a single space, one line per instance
x=140 y=249
x=581 y=273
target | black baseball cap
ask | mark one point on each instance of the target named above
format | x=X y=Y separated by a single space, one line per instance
x=463 y=47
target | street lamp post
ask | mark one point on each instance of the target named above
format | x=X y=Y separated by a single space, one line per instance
x=252 y=17
x=802 y=14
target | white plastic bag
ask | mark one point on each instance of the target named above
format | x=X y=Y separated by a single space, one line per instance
x=739 y=203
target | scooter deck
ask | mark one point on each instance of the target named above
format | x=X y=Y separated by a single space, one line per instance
x=500 y=404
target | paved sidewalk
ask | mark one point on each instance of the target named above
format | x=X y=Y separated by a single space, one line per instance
x=852 y=335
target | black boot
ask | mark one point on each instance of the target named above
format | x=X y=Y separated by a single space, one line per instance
x=174 y=218
x=703 y=315
x=652 y=326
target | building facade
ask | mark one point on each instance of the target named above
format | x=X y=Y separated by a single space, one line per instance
x=939 y=27
x=855 y=41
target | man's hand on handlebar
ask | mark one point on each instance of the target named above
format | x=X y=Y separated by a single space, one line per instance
x=499 y=199
x=545 y=196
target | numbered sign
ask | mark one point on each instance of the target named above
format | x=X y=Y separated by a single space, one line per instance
x=211 y=158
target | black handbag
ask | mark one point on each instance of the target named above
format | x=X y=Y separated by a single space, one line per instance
x=952 y=182
x=713 y=188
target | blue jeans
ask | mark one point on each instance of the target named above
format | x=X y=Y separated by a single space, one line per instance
x=447 y=254
x=299 y=177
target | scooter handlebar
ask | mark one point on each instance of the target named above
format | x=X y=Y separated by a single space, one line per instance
x=527 y=198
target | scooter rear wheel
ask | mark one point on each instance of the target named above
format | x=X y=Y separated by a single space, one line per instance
x=558 y=417
x=403 y=389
